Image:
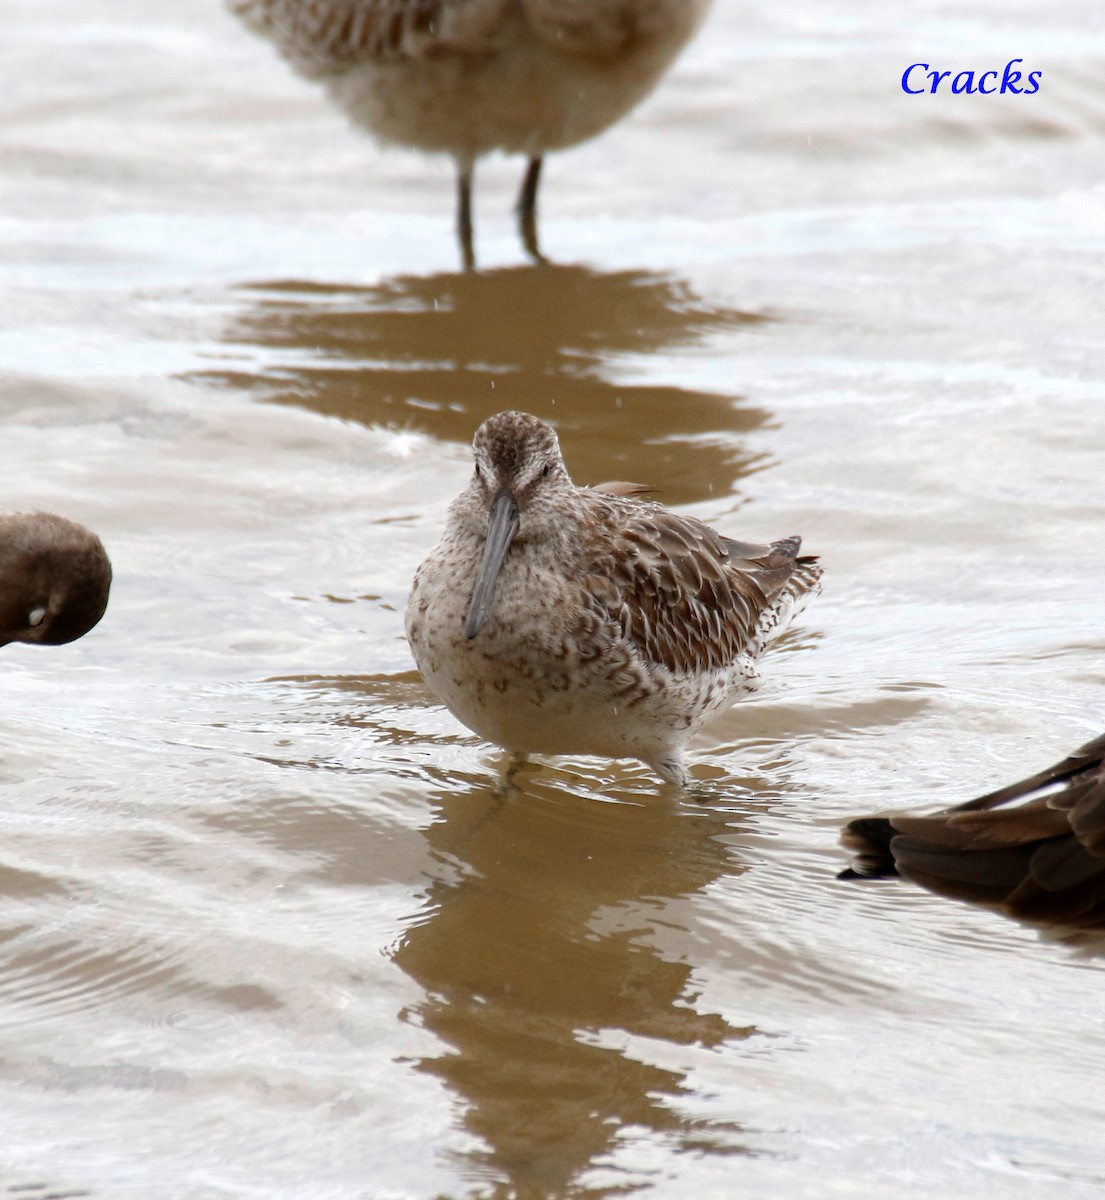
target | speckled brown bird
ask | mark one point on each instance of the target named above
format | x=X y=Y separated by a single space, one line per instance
x=468 y=77
x=554 y=619
x=1035 y=849
x=54 y=579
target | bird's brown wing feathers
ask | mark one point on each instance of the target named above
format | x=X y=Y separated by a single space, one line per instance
x=689 y=599
x=321 y=36
x=1043 y=859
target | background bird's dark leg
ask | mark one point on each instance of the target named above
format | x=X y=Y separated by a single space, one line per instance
x=464 y=214
x=508 y=768
x=527 y=209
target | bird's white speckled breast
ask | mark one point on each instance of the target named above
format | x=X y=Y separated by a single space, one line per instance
x=546 y=675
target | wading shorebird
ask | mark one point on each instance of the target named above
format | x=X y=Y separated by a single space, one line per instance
x=467 y=77
x=552 y=619
x=1042 y=860
x=54 y=579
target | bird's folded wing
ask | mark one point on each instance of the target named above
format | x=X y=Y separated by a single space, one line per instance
x=682 y=595
x=323 y=36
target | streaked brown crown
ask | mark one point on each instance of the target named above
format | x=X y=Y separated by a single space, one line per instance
x=511 y=441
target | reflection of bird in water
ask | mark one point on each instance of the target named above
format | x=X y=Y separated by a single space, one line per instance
x=466 y=77
x=1043 y=860
x=54 y=579
x=553 y=619
x=421 y=349
x=558 y=955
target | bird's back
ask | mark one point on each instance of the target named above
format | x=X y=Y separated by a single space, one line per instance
x=689 y=599
x=324 y=36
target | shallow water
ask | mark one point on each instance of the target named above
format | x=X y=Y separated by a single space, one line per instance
x=266 y=928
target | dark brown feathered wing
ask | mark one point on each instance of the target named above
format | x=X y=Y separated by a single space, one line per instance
x=1041 y=860
x=320 y=36
x=686 y=597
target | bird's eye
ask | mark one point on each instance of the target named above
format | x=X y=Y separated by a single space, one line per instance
x=545 y=471
x=479 y=473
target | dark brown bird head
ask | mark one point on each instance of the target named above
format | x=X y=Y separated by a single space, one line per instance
x=54 y=579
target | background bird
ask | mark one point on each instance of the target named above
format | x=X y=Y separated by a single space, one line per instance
x=467 y=77
x=54 y=579
x=1034 y=849
x=554 y=619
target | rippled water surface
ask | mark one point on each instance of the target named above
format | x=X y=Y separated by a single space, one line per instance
x=267 y=930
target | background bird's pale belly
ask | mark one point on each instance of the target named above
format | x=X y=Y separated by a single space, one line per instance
x=523 y=96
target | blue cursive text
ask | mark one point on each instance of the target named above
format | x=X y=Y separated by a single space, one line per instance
x=966 y=82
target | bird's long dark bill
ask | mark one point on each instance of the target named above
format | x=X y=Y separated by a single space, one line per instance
x=502 y=525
